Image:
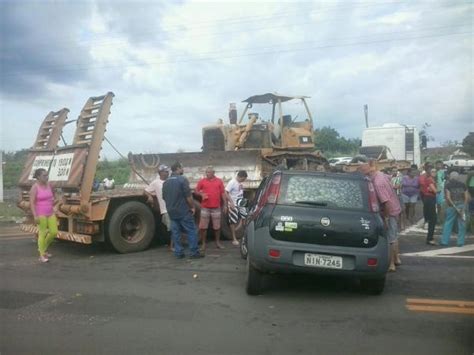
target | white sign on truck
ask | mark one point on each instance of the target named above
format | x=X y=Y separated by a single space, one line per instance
x=59 y=166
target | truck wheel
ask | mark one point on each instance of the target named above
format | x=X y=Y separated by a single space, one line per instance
x=225 y=227
x=131 y=227
x=243 y=247
x=254 y=280
x=373 y=286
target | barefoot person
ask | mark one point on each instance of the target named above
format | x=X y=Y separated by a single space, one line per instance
x=41 y=204
x=212 y=192
x=235 y=192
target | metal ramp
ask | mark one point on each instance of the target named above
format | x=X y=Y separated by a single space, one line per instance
x=50 y=130
x=90 y=132
x=93 y=119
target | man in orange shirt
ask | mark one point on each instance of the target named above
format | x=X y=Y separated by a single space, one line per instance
x=213 y=196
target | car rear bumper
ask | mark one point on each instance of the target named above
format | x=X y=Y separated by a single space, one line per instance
x=291 y=257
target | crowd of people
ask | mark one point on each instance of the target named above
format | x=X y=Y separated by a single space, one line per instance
x=446 y=200
x=177 y=209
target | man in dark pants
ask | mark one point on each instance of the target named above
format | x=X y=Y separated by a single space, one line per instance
x=180 y=206
x=428 y=188
x=422 y=180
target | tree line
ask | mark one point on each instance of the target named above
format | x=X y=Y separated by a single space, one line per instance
x=13 y=163
x=327 y=139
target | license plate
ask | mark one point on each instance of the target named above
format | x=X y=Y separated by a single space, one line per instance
x=324 y=261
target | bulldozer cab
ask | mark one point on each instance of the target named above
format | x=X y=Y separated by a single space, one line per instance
x=270 y=128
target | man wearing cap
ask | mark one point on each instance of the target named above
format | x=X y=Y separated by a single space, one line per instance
x=156 y=188
x=457 y=198
x=180 y=205
x=391 y=209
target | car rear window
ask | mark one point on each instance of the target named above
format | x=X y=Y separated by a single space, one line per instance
x=322 y=190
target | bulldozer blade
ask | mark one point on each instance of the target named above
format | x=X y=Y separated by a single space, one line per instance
x=225 y=164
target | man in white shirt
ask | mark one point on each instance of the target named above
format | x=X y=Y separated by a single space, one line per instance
x=109 y=183
x=235 y=193
x=156 y=188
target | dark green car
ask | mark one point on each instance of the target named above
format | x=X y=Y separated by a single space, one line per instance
x=316 y=222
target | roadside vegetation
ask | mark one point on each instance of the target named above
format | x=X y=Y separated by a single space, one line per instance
x=13 y=163
x=9 y=212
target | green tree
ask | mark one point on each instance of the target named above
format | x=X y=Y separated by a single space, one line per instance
x=468 y=144
x=328 y=140
x=13 y=163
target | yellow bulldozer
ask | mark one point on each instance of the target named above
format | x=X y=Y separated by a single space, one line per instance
x=250 y=143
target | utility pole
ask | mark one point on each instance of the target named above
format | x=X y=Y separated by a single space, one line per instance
x=366 y=112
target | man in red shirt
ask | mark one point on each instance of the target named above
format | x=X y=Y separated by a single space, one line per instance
x=212 y=192
x=424 y=190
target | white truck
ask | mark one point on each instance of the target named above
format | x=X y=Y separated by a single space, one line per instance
x=459 y=163
x=402 y=141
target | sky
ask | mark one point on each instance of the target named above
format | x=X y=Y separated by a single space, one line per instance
x=174 y=66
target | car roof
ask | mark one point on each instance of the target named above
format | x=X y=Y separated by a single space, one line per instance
x=348 y=176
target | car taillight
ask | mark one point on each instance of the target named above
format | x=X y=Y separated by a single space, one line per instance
x=274 y=253
x=373 y=203
x=372 y=262
x=272 y=191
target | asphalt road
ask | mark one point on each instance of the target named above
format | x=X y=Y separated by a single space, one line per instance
x=89 y=300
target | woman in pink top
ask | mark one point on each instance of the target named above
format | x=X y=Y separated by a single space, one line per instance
x=41 y=204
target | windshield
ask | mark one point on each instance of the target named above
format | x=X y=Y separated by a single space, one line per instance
x=322 y=191
x=293 y=111
x=460 y=157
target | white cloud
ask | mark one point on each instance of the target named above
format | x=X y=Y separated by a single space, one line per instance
x=174 y=68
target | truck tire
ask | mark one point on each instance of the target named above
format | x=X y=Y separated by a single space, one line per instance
x=373 y=286
x=243 y=247
x=225 y=227
x=131 y=227
x=254 y=280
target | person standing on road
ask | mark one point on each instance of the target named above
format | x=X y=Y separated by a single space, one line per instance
x=109 y=183
x=156 y=188
x=440 y=180
x=390 y=208
x=212 y=192
x=429 y=191
x=396 y=180
x=423 y=186
x=235 y=192
x=42 y=208
x=180 y=207
x=410 y=193
x=470 y=190
x=457 y=198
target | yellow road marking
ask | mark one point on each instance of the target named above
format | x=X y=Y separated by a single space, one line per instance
x=440 y=302
x=440 y=306
x=441 y=309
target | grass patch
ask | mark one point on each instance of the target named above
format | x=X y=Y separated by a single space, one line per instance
x=10 y=212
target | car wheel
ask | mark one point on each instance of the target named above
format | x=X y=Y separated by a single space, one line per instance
x=131 y=227
x=254 y=280
x=243 y=247
x=373 y=286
